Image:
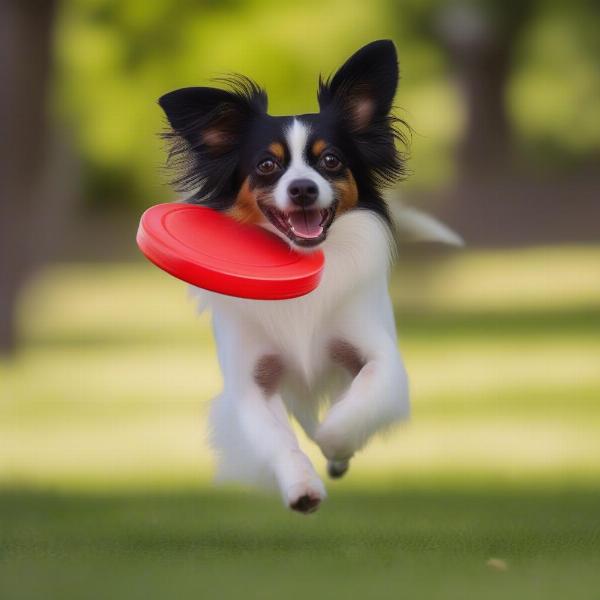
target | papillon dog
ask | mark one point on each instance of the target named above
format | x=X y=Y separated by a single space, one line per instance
x=329 y=359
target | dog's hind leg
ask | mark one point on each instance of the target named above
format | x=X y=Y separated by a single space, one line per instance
x=236 y=461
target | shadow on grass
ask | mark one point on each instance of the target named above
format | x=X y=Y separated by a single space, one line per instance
x=205 y=522
x=529 y=324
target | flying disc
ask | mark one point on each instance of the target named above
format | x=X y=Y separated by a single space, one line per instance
x=213 y=251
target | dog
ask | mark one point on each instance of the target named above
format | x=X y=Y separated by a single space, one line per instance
x=317 y=181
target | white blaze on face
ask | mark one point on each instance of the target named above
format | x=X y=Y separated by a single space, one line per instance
x=297 y=138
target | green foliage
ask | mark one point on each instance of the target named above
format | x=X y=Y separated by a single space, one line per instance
x=555 y=92
x=115 y=58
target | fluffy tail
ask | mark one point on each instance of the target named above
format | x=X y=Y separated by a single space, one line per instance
x=413 y=225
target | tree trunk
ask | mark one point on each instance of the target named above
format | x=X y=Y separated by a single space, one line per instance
x=486 y=146
x=25 y=49
x=480 y=46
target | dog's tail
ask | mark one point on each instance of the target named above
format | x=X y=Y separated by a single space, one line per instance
x=412 y=225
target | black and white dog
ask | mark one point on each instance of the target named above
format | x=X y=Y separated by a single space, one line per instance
x=316 y=180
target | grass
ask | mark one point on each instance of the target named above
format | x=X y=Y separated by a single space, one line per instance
x=385 y=544
x=105 y=473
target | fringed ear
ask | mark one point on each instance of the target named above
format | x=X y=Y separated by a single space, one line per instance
x=360 y=97
x=364 y=87
x=207 y=130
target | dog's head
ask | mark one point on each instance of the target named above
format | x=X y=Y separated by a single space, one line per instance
x=293 y=174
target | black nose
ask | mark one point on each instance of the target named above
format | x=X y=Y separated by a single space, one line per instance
x=303 y=192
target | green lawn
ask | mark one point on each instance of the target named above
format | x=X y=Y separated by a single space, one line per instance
x=491 y=491
x=386 y=544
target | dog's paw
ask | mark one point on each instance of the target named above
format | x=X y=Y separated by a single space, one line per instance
x=337 y=468
x=305 y=497
x=334 y=440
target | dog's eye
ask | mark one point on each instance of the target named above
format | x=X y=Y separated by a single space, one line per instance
x=331 y=162
x=267 y=166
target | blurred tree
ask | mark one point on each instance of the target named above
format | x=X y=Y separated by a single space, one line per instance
x=488 y=45
x=526 y=71
x=480 y=39
x=26 y=51
x=116 y=57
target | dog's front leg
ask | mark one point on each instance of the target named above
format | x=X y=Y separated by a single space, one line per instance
x=265 y=424
x=376 y=398
x=250 y=426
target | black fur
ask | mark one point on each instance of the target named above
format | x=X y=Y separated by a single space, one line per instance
x=219 y=135
x=370 y=76
x=211 y=169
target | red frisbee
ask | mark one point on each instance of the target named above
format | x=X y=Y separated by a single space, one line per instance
x=213 y=251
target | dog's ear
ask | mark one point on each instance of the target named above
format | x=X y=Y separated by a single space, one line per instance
x=212 y=119
x=208 y=126
x=360 y=96
x=363 y=88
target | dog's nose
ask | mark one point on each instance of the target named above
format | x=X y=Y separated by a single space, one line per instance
x=303 y=192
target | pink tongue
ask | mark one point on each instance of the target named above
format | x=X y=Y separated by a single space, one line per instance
x=306 y=223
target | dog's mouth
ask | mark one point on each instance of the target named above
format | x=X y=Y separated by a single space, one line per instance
x=304 y=226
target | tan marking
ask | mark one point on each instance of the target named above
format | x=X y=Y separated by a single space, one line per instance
x=268 y=372
x=318 y=147
x=215 y=137
x=276 y=149
x=347 y=192
x=245 y=209
x=347 y=356
x=221 y=134
x=363 y=109
x=218 y=140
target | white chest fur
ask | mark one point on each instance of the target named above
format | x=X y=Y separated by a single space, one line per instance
x=353 y=289
x=249 y=424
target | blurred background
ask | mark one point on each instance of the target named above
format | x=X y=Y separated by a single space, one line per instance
x=106 y=370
